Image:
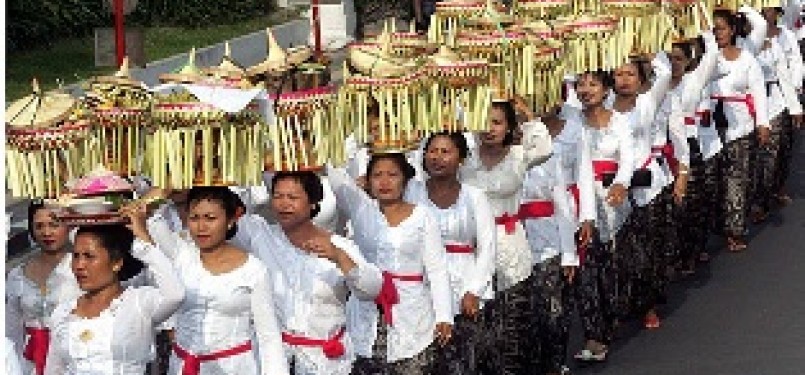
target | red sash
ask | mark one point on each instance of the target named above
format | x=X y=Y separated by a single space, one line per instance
x=332 y=347
x=36 y=349
x=602 y=167
x=459 y=249
x=508 y=222
x=192 y=362
x=746 y=99
x=536 y=210
x=388 y=295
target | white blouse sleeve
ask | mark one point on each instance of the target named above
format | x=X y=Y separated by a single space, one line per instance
x=12 y=359
x=754 y=41
x=14 y=325
x=485 y=234
x=272 y=358
x=757 y=88
x=662 y=80
x=164 y=238
x=585 y=180
x=434 y=258
x=794 y=58
x=564 y=216
x=162 y=299
x=701 y=76
x=349 y=196
x=365 y=279
x=626 y=159
x=536 y=144
x=678 y=136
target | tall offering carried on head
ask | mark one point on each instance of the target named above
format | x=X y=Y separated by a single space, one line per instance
x=120 y=109
x=47 y=143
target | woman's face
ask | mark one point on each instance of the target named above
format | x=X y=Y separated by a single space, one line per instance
x=679 y=62
x=590 y=90
x=290 y=203
x=627 y=80
x=497 y=128
x=770 y=15
x=91 y=264
x=386 y=181
x=207 y=223
x=442 y=157
x=48 y=232
x=723 y=32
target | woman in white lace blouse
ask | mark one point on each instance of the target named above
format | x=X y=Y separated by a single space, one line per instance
x=36 y=287
x=109 y=329
x=229 y=301
x=396 y=334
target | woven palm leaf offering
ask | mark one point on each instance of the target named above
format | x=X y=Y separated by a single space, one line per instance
x=48 y=141
x=208 y=132
x=540 y=9
x=229 y=72
x=498 y=47
x=541 y=69
x=458 y=83
x=287 y=70
x=405 y=44
x=591 y=45
x=395 y=87
x=494 y=17
x=449 y=17
x=120 y=111
x=690 y=17
x=304 y=132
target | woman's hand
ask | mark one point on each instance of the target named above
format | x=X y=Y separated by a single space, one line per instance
x=570 y=273
x=323 y=248
x=680 y=188
x=585 y=233
x=763 y=135
x=444 y=332
x=470 y=304
x=137 y=213
x=616 y=195
x=521 y=107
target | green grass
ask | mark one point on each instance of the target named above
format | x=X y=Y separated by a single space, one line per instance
x=72 y=60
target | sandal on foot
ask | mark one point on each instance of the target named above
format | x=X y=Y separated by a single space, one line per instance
x=784 y=199
x=704 y=257
x=735 y=245
x=652 y=322
x=587 y=355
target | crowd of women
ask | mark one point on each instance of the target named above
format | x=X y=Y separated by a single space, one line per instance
x=467 y=256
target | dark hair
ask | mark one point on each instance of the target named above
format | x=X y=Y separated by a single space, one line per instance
x=511 y=120
x=687 y=49
x=33 y=207
x=228 y=200
x=458 y=140
x=599 y=75
x=310 y=183
x=642 y=72
x=735 y=21
x=117 y=240
x=407 y=169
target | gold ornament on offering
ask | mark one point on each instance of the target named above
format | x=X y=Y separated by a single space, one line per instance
x=449 y=16
x=120 y=110
x=47 y=143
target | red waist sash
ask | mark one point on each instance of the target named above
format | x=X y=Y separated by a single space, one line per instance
x=536 y=210
x=332 y=347
x=36 y=349
x=388 y=295
x=192 y=362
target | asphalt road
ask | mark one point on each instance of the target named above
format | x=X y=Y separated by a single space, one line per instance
x=743 y=314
